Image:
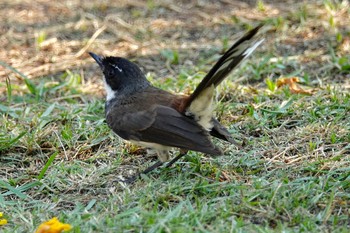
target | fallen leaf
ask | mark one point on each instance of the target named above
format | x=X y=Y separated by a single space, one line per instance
x=292 y=83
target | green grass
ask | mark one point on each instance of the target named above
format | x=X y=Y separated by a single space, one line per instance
x=59 y=158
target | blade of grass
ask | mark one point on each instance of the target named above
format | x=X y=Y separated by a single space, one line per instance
x=12 y=190
x=5 y=65
x=9 y=111
x=90 y=204
x=47 y=165
x=23 y=188
x=9 y=90
x=48 y=111
x=44 y=119
x=13 y=141
x=30 y=85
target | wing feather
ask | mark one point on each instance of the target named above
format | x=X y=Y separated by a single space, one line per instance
x=164 y=125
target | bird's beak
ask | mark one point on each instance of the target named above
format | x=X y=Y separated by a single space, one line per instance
x=97 y=58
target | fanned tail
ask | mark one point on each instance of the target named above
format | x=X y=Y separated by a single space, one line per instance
x=232 y=57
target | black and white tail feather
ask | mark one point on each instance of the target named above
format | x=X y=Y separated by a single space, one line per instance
x=200 y=104
x=232 y=57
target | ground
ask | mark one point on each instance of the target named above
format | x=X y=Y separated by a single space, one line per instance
x=59 y=158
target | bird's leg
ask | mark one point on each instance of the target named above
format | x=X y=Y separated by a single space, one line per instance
x=162 y=155
x=151 y=168
x=181 y=154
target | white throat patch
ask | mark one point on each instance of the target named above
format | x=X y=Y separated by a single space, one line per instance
x=110 y=94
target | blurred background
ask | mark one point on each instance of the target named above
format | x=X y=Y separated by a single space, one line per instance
x=46 y=38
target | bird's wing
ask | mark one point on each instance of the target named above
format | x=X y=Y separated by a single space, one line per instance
x=164 y=125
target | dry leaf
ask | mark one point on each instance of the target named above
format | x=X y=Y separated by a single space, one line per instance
x=293 y=85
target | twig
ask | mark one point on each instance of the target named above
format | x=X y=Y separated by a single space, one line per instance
x=91 y=40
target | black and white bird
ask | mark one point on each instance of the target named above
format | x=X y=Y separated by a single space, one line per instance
x=157 y=119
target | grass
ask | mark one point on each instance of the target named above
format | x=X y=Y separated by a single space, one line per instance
x=59 y=158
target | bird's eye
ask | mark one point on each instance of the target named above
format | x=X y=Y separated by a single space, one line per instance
x=110 y=72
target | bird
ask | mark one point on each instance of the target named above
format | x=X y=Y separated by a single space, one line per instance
x=160 y=120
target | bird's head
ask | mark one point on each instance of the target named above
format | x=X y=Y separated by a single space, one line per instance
x=120 y=75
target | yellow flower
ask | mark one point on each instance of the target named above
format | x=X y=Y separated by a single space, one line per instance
x=53 y=226
x=2 y=221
